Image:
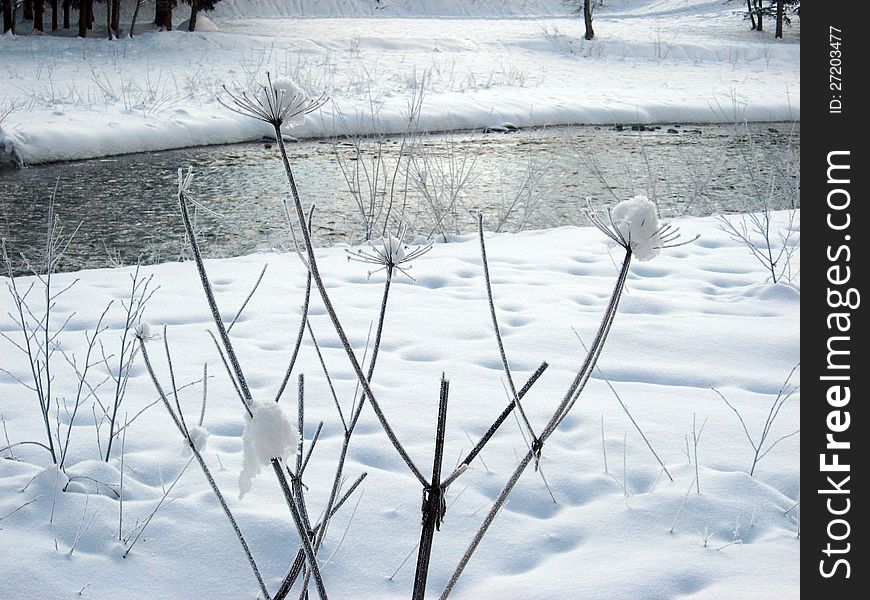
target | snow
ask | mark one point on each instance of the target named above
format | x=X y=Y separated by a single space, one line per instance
x=268 y=434
x=198 y=437
x=394 y=249
x=652 y=61
x=699 y=316
x=203 y=23
x=637 y=222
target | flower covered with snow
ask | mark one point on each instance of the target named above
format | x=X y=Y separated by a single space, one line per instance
x=279 y=102
x=268 y=434
x=634 y=224
x=390 y=252
x=143 y=332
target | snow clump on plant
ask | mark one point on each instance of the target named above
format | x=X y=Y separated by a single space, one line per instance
x=637 y=223
x=198 y=437
x=268 y=434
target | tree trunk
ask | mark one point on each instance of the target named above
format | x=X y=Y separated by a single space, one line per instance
x=135 y=14
x=91 y=17
x=83 y=18
x=751 y=13
x=116 y=17
x=587 y=19
x=194 y=8
x=28 y=10
x=54 y=15
x=109 y=19
x=758 y=11
x=38 y=15
x=7 y=15
x=163 y=14
x=780 y=9
x=66 y=14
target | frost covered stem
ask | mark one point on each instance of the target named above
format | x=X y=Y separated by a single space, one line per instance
x=567 y=402
x=304 y=320
x=290 y=579
x=339 y=330
x=331 y=505
x=339 y=471
x=433 y=500
x=205 y=470
x=304 y=539
x=504 y=361
x=212 y=303
x=478 y=448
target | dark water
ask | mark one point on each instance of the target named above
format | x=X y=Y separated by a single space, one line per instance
x=127 y=208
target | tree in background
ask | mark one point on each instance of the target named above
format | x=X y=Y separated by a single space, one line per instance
x=163 y=13
x=8 y=16
x=585 y=7
x=86 y=15
x=38 y=14
x=195 y=7
x=782 y=11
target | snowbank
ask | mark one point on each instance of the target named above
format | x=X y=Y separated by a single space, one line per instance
x=697 y=317
x=651 y=62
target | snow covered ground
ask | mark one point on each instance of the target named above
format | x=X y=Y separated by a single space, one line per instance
x=695 y=317
x=483 y=63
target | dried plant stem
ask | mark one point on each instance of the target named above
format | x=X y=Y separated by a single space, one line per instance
x=433 y=500
x=333 y=316
x=478 y=448
x=679 y=510
x=166 y=493
x=302 y=322
x=298 y=520
x=212 y=303
x=248 y=298
x=564 y=407
x=331 y=506
x=628 y=413
x=299 y=561
x=501 y=350
x=351 y=426
x=205 y=470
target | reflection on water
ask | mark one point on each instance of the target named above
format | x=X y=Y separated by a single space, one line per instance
x=127 y=204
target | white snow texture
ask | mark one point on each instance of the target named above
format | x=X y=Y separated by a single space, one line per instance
x=637 y=222
x=394 y=249
x=268 y=434
x=198 y=436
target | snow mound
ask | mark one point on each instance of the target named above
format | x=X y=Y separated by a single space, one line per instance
x=203 y=25
x=637 y=222
x=8 y=151
x=268 y=434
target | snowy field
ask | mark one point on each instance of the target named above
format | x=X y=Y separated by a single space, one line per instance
x=676 y=474
x=479 y=62
x=693 y=318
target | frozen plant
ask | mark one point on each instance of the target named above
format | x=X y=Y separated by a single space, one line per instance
x=633 y=229
x=390 y=253
x=760 y=445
